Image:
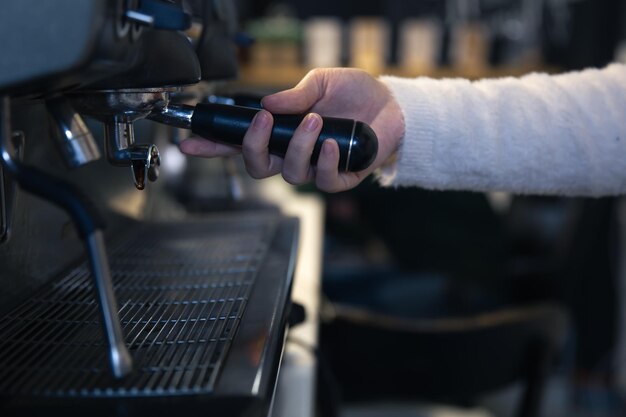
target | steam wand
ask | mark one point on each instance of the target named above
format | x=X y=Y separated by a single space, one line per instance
x=89 y=225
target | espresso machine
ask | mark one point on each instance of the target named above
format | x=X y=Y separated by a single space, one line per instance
x=104 y=312
x=115 y=299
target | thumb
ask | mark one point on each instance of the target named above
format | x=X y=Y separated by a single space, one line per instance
x=299 y=99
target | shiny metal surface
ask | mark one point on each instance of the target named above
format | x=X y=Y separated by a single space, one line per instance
x=188 y=311
x=350 y=146
x=121 y=150
x=119 y=357
x=117 y=110
x=138 y=17
x=75 y=141
x=8 y=190
x=173 y=115
x=118 y=138
x=251 y=363
x=5 y=182
x=121 y=105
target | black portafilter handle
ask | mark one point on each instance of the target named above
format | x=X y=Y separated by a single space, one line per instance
x=357 y=141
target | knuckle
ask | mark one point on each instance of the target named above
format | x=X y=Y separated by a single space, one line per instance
x=292 y=178
x=254 y=169
x=254 y=173
x=253 y=147
x=298 y=146
x=317 y=76
x=254 y=161
x=316 y=72
x=302 y=144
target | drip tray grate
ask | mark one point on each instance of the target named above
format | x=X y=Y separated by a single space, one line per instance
x=182 y=289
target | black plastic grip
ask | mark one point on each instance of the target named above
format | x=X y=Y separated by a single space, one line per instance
x=357 y=141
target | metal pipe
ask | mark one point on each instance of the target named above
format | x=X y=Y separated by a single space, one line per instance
x=119 y=357
x=173 y=115
x=75 y=140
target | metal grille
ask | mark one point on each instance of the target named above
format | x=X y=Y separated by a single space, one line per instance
x=182 y=289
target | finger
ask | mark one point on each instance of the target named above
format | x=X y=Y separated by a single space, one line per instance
x=259 y=162
x=298 y=99
x=327 y=175
x=297 y=164
x=206 y=148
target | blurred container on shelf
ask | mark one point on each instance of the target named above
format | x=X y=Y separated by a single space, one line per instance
x=469 y=47
x=277 y=38
x=419 y=44
x=369 y=44
x=323 y=42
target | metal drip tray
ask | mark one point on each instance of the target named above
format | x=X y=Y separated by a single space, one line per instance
x=182 y=288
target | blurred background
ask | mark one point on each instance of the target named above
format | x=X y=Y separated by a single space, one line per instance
x=472 y=38
x=400 y=265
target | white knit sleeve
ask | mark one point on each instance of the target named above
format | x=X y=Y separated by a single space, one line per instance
x=539 y=134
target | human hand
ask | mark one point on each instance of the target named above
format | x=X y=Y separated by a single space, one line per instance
x=336 y=92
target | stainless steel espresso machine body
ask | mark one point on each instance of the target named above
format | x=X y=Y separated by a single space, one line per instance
x=115 y=300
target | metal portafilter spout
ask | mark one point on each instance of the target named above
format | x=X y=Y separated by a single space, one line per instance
x=357 y=141
x=121 y=150
x=118 y=109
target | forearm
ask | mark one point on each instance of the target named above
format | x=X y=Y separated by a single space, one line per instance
x=538 y=134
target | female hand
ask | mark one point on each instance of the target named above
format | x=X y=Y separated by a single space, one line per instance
x=337 y=92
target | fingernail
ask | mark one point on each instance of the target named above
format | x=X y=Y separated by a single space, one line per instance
x=327 y=148
x=311 y=122
x=260 y=120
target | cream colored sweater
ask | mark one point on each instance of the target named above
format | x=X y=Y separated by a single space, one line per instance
x=539 y=134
